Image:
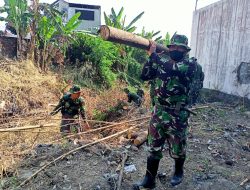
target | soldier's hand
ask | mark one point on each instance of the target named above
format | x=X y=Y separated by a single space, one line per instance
x=152 y=47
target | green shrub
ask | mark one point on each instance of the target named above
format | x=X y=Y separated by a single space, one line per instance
x=101 y=55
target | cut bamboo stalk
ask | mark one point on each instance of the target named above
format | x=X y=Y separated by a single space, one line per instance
x=120 y=36
x=141 y=138
x=26 y=127
x=119 y=184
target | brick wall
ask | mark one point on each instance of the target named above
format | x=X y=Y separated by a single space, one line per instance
x=8 y=46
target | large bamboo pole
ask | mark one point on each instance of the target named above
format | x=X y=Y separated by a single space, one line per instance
x=120 y=36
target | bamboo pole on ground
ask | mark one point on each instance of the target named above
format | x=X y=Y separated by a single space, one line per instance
x=26 y=127
x=76 y=149
x=119 y=184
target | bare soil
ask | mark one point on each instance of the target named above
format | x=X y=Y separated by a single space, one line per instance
x=218 y=158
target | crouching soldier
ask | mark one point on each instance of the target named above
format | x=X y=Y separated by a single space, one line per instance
x=71 y=106
x=132 y=97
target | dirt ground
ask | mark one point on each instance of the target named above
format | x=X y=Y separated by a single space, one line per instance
x=218 y=158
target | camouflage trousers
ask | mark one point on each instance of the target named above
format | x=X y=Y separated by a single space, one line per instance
x=165 y=125
x=69 y=124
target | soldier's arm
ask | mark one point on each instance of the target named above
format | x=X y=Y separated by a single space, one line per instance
x=58 y=107
x=82 y=109
x=190 y=74
x=149 y=70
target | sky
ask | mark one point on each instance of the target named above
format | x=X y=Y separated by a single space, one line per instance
x=160 y=15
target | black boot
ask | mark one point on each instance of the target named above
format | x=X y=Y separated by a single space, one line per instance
x=149 y=179
x=178 y=173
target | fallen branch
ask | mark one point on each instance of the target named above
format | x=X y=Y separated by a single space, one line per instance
x=119 y=184
x=76 y=149
x=244 y=181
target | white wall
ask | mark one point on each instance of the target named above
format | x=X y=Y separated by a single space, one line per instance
x=221 y=41
x=87 y=24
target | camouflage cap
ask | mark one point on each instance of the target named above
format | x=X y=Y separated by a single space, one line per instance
x=75 y=89
x=179 y=40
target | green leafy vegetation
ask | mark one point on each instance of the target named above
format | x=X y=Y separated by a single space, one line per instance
x=80 y=56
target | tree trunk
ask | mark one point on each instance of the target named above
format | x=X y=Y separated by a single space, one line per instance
x=19 y=46
x=120 y=36
x=31 y=53
x=43 y=57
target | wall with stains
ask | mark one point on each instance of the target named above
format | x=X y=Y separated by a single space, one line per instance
x=8 y=46
x=221 y=42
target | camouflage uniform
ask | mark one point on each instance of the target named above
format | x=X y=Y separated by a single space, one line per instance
x=197 y=83
x=70 y=110
x=140 y=92
x=170 y=95
x=132 y=97
x=171 y=79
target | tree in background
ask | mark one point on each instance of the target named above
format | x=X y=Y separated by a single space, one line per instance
x=18 y=18
x=118 y=20
x=53 y=33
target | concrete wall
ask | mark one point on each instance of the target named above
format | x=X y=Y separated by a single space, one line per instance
x=221 y=42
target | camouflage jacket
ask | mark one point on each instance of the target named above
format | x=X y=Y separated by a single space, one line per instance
x=134 y=97
x=171 y=80
x=198 y=75
x=70 y=107
x=140 y=92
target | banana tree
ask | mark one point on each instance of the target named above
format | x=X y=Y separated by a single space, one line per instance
x=165 y=41
x=45 y=32
x=19 y=18
x=64 y=33
x=118 y=20
x=34 y=8
x=150 y=35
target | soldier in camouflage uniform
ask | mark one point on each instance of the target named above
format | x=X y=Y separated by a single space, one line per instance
x=197 y=83
x=140 y=92
x=169 y=119
x=71 y=106
x=132 y=97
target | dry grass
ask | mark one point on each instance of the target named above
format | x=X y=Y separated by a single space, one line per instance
x=24 y=88
x=28 y=93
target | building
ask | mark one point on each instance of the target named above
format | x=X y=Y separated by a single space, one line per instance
x=221 y=41
x=90 y=14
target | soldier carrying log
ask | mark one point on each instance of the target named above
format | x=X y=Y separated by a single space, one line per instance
x=169 y=119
